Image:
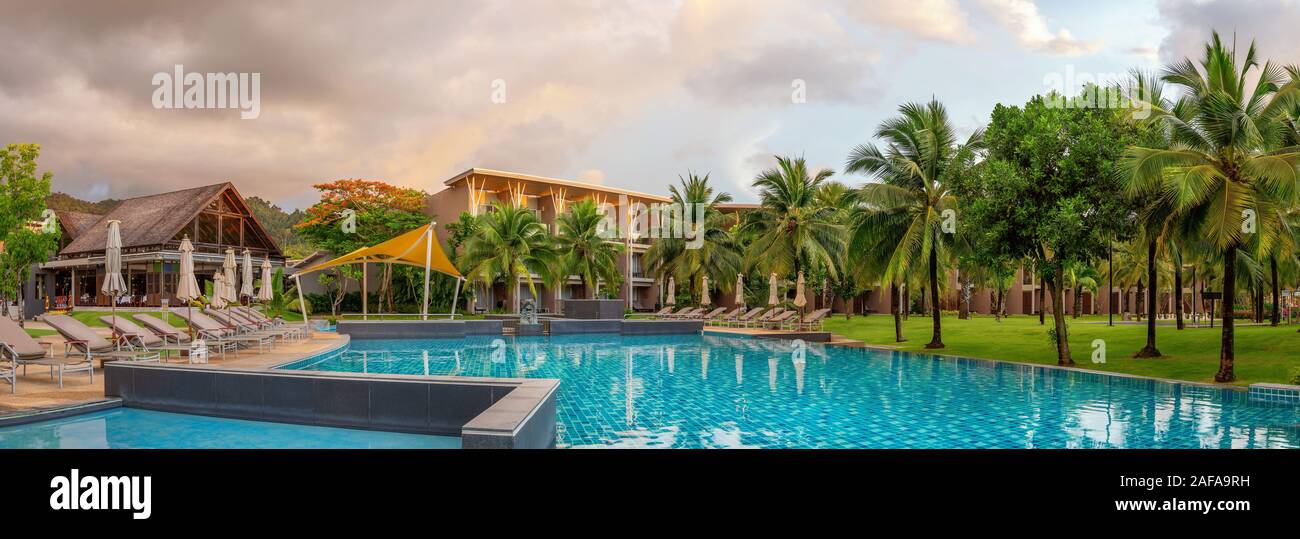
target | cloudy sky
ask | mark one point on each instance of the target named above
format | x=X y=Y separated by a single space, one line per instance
x=625 y=93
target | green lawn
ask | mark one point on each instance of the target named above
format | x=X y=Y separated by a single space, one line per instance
x=1264 y=354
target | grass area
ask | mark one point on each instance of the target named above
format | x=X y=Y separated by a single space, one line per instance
x=91 y=318
x=1264 y=353
x=40 y=332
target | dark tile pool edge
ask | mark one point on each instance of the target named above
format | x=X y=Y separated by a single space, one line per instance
x=58 y=412
x=511 y=412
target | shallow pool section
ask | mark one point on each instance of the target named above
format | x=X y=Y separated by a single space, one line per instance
x=695 y=391
x=130 y=428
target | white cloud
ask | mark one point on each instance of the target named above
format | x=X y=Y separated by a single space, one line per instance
x=941 y=20
x=1030 y=28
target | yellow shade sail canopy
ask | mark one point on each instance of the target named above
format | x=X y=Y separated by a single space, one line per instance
x=409 y=248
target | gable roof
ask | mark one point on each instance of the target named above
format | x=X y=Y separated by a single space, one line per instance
x=76 y=223
x=154 y=219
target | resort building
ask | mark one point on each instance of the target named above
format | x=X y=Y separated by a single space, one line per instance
x=215 y=217
x=477 y=189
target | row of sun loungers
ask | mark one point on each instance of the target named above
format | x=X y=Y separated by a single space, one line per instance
x=757 y=317
x=222 y=331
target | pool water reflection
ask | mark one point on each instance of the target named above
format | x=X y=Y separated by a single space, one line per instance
x=707 y=391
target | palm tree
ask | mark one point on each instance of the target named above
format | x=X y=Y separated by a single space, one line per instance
x=906 y=209
x=709 y=250
x=583 y=249
x=510 y=242
x=1224 y=158
x=792 y=230
x=1081 y=277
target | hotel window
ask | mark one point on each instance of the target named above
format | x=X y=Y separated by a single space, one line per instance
x=207 y=229
x=230 y=228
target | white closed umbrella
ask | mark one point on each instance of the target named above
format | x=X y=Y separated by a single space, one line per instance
x=228 y=286
x=246 y=287
x=704 y=295
x=187 y=289
x=740 y=290
x=114 y=285
x=267 y=292
x=218 y=300
x=771 y=290
x=672 y=292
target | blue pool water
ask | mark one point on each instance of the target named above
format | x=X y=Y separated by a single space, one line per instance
x=707 y=391
x=144 y=429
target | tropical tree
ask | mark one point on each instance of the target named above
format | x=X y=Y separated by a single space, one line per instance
x=792 y=230
x=905 y=211
x=1080 y=277
x=709 y=249
x=583 y=248
x=511 y=243
x=22 y=201
x=1225 y=169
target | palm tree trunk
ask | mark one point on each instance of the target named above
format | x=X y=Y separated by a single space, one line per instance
x=893 y=309
x=1078 y=301
x=963 y=302
x=1178 y=293
x=1227 y=346
x=1042 y=298
x=937 y=340
x=1277 y=314
x=1150 y=349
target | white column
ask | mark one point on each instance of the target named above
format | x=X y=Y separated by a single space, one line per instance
x=428 y=257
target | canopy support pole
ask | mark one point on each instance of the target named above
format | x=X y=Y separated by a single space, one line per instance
x=455 y=298
x=428 y=257
x=302 y=304
x=365 y=292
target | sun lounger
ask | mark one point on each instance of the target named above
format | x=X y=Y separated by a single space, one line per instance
x=713 y=314
x=776 y=321
x=692 y=314
x=812 y=321
x=766 y=317
x=299 y=330
x=264 y=324
x=224 y=336
x=728 y=317
x=86 y=342
x=19 y=349
x=744 y=319
x=682 y=312
x=662 y=312
x=162 y=329
x=131 y=334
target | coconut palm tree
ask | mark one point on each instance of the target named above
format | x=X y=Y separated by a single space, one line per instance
x=583 y=250
x=1081 y=277
x=510 y=243
x=907 y=207
x=713 y=254
x=792 y=230
x=1224 y=158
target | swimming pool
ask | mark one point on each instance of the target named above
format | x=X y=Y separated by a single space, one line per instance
x=693 y=391
x=130 y=428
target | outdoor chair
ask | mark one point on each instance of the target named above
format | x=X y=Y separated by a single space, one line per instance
x=84 y=341
x=271 y=324
x=19 y=349
x=672 y=315
x=662 y=312
x=813 y=321
x=728 y=317
x=225 y=338
x=132 y=335
x=776 y=321
x=162 y=329
x=744 y=319
x=766 y=317
x=713 y=314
